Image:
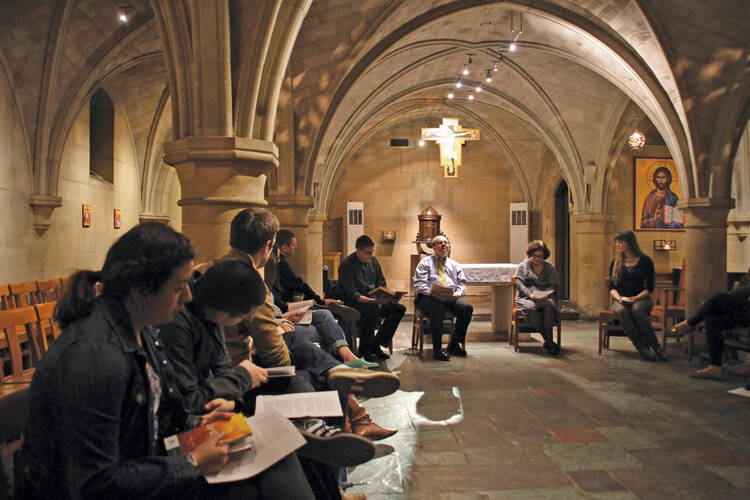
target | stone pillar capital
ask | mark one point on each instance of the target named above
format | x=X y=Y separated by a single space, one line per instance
x=42 y=206
x=292 y=210
x=706 y=212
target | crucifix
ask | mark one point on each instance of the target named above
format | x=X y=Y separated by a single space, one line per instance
x=450 y=136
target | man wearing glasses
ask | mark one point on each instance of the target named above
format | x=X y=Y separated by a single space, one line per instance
x=448 y=276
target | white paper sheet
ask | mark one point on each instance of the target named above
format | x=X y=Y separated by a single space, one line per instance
x=740 y=391
x=273 y=438
x=301 y=404
x=303 y=306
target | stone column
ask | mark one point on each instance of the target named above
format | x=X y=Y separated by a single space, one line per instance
x=705 y=247
x=293 y=211
x=219 y=176
x=592 y=252
x=315 y=252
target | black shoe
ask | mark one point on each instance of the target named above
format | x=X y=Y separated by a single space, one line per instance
x=552 y=348
x=371 y=357
x=456 y=350
x=441 y=355
x=660 y=353
x=378 y=352
x=333 y=446
x=646 y=353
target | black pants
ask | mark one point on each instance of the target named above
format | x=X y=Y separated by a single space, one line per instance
x=435 y=310
x=720 y=312
x=371 y=314
x=636 y=321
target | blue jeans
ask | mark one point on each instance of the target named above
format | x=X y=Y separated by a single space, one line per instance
x=323 y=329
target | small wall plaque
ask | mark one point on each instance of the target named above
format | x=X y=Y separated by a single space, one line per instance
x=117 y=218
x=85 y=215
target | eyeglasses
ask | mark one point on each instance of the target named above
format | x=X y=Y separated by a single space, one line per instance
x=538 y=255
x=440 y=243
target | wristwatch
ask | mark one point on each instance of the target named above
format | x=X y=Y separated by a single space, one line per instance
x=192 y=461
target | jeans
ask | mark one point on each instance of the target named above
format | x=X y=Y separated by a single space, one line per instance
x=323 y=329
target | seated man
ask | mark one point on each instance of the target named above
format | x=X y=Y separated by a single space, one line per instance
x=252 y=235
x=359 y=274
x=439 y=268
x=288 y=284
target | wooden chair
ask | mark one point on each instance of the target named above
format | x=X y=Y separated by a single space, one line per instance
x=22 y=350
x=48 y=290
x=23 y=294
x=609 y=324
x=421 y=326
x=5 y=302
x=519 y=321
x=672 y=307
x=47 y=329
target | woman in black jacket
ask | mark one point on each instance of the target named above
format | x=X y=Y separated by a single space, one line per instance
x=631 y=282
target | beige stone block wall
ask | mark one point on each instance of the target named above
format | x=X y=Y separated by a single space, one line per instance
x=398 y=184
x=66 y=246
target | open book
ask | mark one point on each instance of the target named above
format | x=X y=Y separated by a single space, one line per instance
x=384 y=292
x=541 y=294
x=441 y=292
x=281 y=371
x=273 y=438
x=234 y=431
x=673 y=214
x=303 y=306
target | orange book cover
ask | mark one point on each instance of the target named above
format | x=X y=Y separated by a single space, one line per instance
x=230 y=430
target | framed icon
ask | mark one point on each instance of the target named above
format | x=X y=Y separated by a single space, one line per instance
x=117 y=218
x=85 y=215
x=657 y=189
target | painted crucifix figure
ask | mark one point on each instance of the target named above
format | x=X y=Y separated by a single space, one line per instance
x=450 y=136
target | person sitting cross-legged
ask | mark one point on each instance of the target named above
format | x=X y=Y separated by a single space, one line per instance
x=360 y=274
x=442 y=270
x=289 y=285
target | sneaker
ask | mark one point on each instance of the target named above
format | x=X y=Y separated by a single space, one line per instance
x=361 y=363
x=332 y=446
x=363 y=382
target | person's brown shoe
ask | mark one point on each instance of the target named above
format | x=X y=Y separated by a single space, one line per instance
x=362 y=424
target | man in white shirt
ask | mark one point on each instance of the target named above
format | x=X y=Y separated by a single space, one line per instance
x=446 y=272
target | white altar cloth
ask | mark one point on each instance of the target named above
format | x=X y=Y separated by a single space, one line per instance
x=498 y=277
x=487 y=274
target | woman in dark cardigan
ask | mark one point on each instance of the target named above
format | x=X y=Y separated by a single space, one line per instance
x=631 y=281
x=534 y=274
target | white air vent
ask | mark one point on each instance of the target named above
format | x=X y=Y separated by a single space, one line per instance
x=519 y=231
x=355 y=224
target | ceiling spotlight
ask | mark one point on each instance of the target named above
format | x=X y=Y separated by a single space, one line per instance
x=123 y=15
x=478 y=88
x=471 y=97
x=458 y=83
x=450 y=94
x=488 y=76
x=421 y=143
x=494 y=66
x=466 y=69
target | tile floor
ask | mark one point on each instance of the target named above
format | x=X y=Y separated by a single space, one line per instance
x=501 y=424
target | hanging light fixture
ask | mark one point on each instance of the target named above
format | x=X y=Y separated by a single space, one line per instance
x=488 y=76
x=471 y=97
x=494 y=65
x=466 y=69
x=122 y=16
x=478 y=88
x=458 y=83
x=450 y=94
x=512 y=47
x=636 y=140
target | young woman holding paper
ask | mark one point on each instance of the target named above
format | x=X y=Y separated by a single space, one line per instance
x=536 y=283
x=101 y=398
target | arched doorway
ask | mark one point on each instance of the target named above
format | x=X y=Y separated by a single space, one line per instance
x=562 y=239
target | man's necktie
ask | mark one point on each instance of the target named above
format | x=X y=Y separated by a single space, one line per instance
x=442 y=279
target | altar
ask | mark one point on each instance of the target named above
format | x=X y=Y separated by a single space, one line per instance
x=498 y=277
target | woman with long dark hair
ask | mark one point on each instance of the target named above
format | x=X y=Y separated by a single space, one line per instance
x=102 y=398
x=631 y=282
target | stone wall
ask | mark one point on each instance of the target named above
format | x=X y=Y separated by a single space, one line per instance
x=396 y=184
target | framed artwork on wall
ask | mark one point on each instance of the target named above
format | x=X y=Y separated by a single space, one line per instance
x=117 y=218
x=656 y=190
x=85 y=215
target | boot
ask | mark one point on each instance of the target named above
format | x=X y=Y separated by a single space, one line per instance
x=362 y=424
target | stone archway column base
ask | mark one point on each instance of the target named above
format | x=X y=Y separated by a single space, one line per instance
x=219 y=176
x=705 y=248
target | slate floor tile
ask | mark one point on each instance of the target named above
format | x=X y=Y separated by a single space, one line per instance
x=578 y=435
x=595 y=480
